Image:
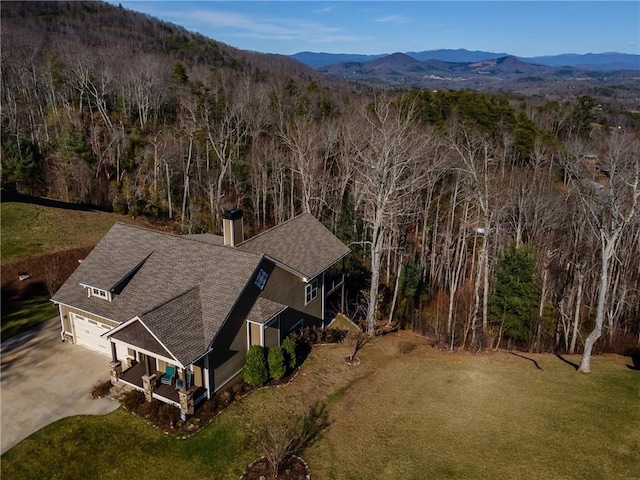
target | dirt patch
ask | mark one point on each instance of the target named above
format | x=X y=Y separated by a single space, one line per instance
x=46 y=272
x=293 y=468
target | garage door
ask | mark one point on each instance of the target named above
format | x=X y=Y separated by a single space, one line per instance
x=88 y=333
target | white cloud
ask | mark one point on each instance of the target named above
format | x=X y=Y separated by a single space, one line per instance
x=240 y=25
x=320 y=11
x=392 y=19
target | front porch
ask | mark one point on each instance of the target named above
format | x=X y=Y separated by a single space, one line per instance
x=136 y=376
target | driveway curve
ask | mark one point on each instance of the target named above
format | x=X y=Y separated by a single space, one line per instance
x=43 y=380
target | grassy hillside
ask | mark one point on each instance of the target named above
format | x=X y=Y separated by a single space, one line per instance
x=32 y=229
x=44 y=238
x=407 y=411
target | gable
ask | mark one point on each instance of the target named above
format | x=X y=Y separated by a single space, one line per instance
x=303 y=244
x=179 y=325
x=137 y=334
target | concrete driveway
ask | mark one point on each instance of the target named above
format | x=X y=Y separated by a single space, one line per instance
x=43 y=380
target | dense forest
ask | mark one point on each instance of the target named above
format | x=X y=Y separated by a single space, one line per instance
x=485 y=221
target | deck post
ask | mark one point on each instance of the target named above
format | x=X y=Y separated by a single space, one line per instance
x=148 y=384
x=116 y=371
x=114 y=354
x=187 y=406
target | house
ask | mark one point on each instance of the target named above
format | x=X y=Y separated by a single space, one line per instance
x=177 y=313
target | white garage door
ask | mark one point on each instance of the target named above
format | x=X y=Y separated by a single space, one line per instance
x=88 y=333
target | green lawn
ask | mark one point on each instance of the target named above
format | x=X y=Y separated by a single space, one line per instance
x=29 y=229
x=16 y=316
x=422 y=414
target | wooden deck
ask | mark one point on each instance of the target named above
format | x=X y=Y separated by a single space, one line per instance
x=164 y=393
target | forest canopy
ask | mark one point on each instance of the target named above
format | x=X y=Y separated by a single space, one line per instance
x=505 y=212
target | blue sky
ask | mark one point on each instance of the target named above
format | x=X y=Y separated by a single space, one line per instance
x=523 y=28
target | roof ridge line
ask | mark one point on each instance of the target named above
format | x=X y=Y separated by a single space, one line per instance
x=275 y=227
x=195 y=240
x=172 y=299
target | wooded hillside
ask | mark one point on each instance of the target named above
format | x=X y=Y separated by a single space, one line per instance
x=507 y=221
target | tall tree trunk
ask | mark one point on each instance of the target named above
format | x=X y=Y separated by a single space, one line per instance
x=608 y=248
x=395 y=294
x=576 y=317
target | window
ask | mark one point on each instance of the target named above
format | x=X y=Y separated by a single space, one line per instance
x=311 y=291
x=261 y=279
x=96 y=292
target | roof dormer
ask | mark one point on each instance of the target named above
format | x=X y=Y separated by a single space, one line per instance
x=98 y=292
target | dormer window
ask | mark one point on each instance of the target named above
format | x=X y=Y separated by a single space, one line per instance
x=98 y=292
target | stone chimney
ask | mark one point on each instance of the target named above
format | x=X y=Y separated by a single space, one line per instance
x=232 y=228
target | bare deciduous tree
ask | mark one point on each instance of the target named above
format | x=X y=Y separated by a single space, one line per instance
x=394 y=160
x=608 y=189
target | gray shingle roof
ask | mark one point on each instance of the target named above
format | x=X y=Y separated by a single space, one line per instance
x=302 y=243
x=264 y=309
x=137 y=334
x=156 y=292
x=180 y=324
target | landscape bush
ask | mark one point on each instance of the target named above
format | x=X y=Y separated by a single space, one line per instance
x=101 y=389
x=133 y=400
x=289 y=351
x=168 y=414
x=255 y=372
x=276 y=360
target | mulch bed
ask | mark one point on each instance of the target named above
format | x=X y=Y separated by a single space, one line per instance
x=294 y=468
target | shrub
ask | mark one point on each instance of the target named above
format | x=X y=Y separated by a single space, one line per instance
x=238 y=388
x=150 y=410
x=133 y=400
x=101 y=389
x=168 y=413
x=225 y=398
x=283 y=439
x=333 y=335
x=277 y=367
x=255 y=371
x=289 y=351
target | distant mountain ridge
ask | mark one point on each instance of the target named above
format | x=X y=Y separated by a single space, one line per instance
x=502 y=73
x=593 y=61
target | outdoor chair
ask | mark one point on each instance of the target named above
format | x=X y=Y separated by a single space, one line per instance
x=169 y=376
x=188 y=378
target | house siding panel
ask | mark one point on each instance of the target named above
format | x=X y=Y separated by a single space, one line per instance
x=229 y=349
x=272 y=335
x=254 y=332
x=198 y=380
x=229 y=368
x=286 y=288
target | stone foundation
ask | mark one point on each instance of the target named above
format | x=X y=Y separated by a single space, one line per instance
x=148 y=383
x=186 y=402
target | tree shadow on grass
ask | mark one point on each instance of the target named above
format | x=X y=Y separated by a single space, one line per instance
x=635 y=358
x=527 y=358
x=568 y=362
x=13 y=196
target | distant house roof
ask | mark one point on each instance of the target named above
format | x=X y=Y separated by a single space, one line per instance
x=302 y=243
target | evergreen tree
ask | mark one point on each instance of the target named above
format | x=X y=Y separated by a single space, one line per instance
x=289 y=350
x=255 y=371
x=277 y=367
x=515 y=298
